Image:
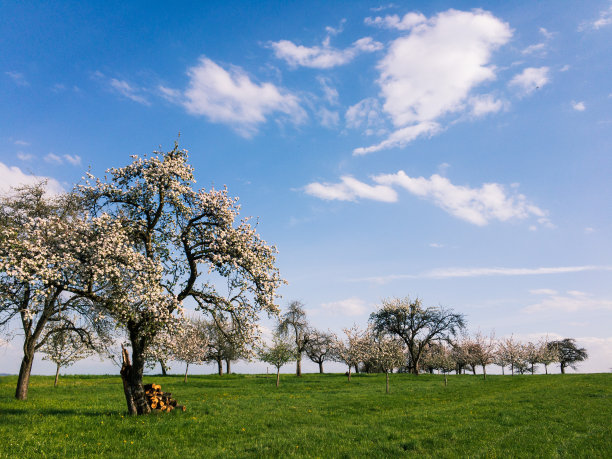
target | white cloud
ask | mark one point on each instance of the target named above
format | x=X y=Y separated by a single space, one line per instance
x=401 y=137
x=322 y=57
x=364 y=114
x=452 y=273
x=485 y=104
x=578 y=106
x=53 y=158
x=604 y=19
x=538 y=48
x=393 y=21
x=348 y=307
x=571 y=301
x=24 y=156
x=231 y=97
x=22 y=143
x=530 y=79
x=543 y=291
x=589 y=230
x=350 y=189
x=13 y=176
x=18 y=78
x=476 y=205
x=128 y=91
x=436 y=245
x=565 y=68
x=75 y=160
x=432 y=71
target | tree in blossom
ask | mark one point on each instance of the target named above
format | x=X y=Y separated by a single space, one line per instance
x=181 y=244
x=190 y=344
x=415 y=325
x=483 y=349
x=548 y=352
x=387 y=353
x=67 y=344
x=278 y=354
x=512 y=352
x=293 y=323
x=38 y=233
x=354 y=350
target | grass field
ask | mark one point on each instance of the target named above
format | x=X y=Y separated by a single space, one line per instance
x=315 y=416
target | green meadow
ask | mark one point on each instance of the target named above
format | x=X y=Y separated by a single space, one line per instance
x=315 y=416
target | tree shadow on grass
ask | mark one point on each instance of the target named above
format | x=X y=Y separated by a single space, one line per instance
x=54 y=412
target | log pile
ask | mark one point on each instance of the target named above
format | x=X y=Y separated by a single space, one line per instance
x=159 y=400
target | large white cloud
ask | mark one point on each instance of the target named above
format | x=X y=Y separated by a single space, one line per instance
x=231 y=97
x=350 y=189
x=322 y=57
x=432 y=71
x=476 y=205
x=11 y=177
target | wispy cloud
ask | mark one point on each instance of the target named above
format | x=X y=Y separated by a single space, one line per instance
x=578 y=106
x=24 y=156
x=393 y=21
x=454 y=273
x=233 y=98
x=22 y=143
x=570 y=301
x=350 y=189
x=52 y=158
x=18 y=78
x=322 y=57
x=530 y=79
x=128 y=91
x=348 y=307
x=604 y=19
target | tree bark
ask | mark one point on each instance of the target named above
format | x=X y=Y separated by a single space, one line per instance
x=298 y=366
x=387 y=375
x=445 y=379
x=164 y=369
x=186 y=370
x=132 y=376
x=562 y=369
x=277 y=376
x=321 y=367
x=23 y=381
x=484 y=371
x=228 y=366
x=56 y=375
x=220 y=366
x=349 y=374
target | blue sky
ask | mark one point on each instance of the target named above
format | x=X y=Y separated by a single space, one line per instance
x=459 y=152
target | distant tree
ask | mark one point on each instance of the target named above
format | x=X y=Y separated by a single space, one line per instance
x=354 y=350
x=416 y=326
x=532 y=355
x=293 y=324
x=320 y=347
x=387 y=353
x=569 y=353
x=512 y=352
x=483 y=349
x=160 y=351
x=67 y=344
x=548 y=353
x=190 y=343
x=464 y=354
x=280 y=353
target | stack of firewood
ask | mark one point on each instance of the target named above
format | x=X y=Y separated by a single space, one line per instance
x=159 y=400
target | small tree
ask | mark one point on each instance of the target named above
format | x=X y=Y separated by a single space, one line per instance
x=569 y=353
x=354 y=350
x=280 y=353
x=320 y=347
x=483 y=350
x=548 y=352
x=532 y=355
x=511 y=352
x=191 y=344
x=387 y=353
x=293 y=323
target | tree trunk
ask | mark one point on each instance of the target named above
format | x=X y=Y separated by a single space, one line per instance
x=562 y=369
x=23 y=382
x=277 y=376
x=445 y=379
x=356 y=368
x=512 y=368
x=484 y=371
x=321 y=367
x=164 y=368
x=186 y=370
x=298 y=366
x=503 y=370
x=387 y=375
x=532 y=368
x=220 y=366
x=56 y=375
x=131 y=374
x=546 y=368
x=228 y=367
x=474 y=370
x=349 y=374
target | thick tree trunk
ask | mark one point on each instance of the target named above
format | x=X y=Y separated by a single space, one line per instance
x=220 y=366
x=186 y=370
x=131 y=373
x=56 y=375
x=277 y=376
x=228 y=366
x=23 y=381
x=484 y=371
x=546 y=368
x=387 y=375
x=164 y=369
x=562 y=369
x=321 y=367
x=298 y=366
